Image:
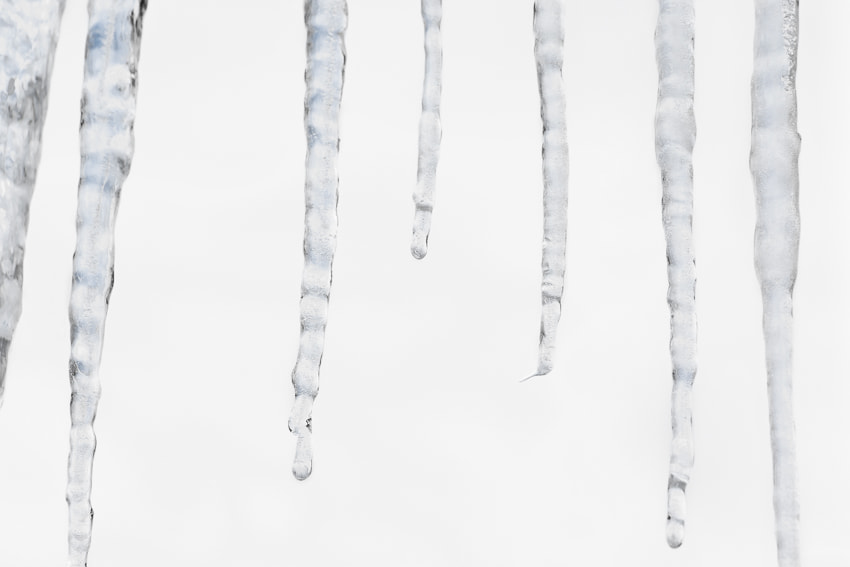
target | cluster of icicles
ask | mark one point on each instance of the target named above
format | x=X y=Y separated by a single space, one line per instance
x=28 y=35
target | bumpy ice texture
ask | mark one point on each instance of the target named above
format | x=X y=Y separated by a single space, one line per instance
x=106 y=146
x=773 y=162
x=549 y=55
x=675 y=134
x=430 y=130
x=29 y=30
x=326 y=22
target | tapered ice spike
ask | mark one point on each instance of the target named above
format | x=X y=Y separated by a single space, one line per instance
x=29 y=32
x=549 y=56
x=675 y=135
x=430 y=130
x=774 y=165
x=326 y=21
x=106 y=146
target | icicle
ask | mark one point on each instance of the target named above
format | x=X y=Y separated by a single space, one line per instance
x=773 y=162
x=28 y=35
x=548 y=52
x=429 y=128
x=675 y=133
x=106 y=145
x=326 y=21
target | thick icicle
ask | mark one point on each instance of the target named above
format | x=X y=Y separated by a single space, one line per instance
x=326 y=22
x=430 y=130
x=773 y=162
x=106 y=146
x=675 y=133
x=549 y=55
x=28 y=35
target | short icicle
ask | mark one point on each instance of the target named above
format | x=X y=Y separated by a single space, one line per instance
x=549 y=55
x=106 y=147
x=774 y=165
x=326 y=22
x=29 y=32
x=430 y=131
x=675 y=134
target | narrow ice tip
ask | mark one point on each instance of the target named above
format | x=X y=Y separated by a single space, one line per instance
x=675 y=532
x=540 y=372
x=419 y=245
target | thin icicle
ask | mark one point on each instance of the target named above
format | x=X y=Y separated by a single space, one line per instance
x=549 y=55
x=28 y=35
x=326 y=21
x=675 y=134
x=430 y=130
x=773 y=162
x=106 y=146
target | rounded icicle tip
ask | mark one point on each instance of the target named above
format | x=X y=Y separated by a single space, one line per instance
x=301 y=470
x=302 y=465
x=675 y=532
x=419 y=245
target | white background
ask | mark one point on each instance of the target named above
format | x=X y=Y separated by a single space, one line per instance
x=428 y=451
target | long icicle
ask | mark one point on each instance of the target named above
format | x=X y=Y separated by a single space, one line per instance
x=430 y=130
x=774 y=165
x=549 y=55
x=675 y=134
x=326 y=22
x=29 y=32
x=106 y=147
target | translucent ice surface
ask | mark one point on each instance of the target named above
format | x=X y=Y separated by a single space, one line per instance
x=430 y=130
x=549 y=55
x=29 y=31
x=106 y=147
x=774 y=165
x=326 y=22
x=675 y=134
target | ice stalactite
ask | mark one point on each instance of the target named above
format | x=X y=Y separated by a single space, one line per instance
x=106 y=147
x=430 y=130
x=675 y=134
x=326 y=22
x=549 y=55
x=774 y=162
x=29 y=32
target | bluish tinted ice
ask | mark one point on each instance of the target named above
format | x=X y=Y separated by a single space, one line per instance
x=326 y=22
x=430 y=130
x=29 y=30
x=773 y=162
x=675 y=134
x=106 y=147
